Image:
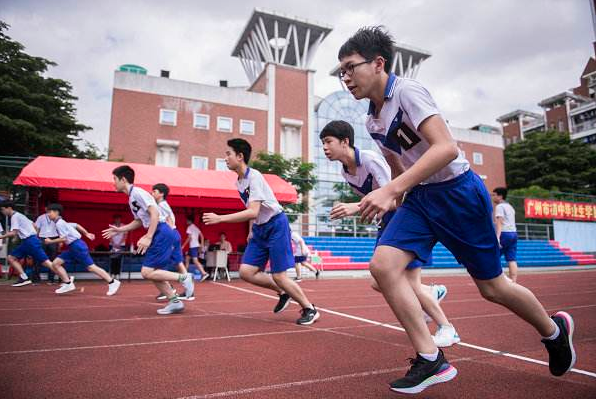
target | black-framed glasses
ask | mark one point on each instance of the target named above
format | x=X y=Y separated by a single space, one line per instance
x=349 y=71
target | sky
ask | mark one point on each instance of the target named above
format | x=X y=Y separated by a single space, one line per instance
x=489 y=57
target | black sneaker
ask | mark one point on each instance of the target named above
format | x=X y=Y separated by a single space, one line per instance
x=424 y=373
x=561 y=354
x=283 y=303
x=296 y=279
x=22 y=282
x=309 y=316
x=317 y=274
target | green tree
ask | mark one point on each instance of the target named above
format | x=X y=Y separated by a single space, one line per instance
x=551 y=161
x=345 y=194
x=298 y=173
x=37 y=113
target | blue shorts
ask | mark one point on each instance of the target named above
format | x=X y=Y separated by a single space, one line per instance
x=270 y=241
x=177 y=257
x=457 y=213
x=193 y=252
x=30 y=246
x=415 y=263
x=299 y=259
x=159 y=253
x=508 y=242
x=77 y=253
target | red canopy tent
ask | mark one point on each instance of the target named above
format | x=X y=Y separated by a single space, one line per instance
x=86 y=189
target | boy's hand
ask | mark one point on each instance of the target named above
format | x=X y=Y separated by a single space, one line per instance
x=211 y=218
x=47 y=241
x=377 y=203
x=91 y=236
x=341 y=210
x=143 y=244
x=110 y=232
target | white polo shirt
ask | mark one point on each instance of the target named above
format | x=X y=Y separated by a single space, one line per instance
x=253 y=187
x=193 y=231
x=23 y=225
x=139 y=201
x=47 y=227
x=372 y=172
x=67 y=230
x=166 y=211
x=507 y=212
x=407 y=104
x=297 y=240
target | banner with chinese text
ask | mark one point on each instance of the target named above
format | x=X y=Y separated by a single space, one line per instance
x=554 y=209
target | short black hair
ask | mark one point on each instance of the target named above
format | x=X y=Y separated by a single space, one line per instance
x=162 y=188
x=56 y=207
x=501 y=191
x=223 y=233
x=370 y=42
x=126 y=172
x=241 y=146
x=7 y=203
x=338 y=129
x=190 y=218
x=117 y=216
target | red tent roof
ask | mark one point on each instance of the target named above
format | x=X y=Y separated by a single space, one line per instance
x=77 y=174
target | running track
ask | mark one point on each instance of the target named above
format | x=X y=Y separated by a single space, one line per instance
x=228 y=343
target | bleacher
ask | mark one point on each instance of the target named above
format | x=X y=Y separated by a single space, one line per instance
x=348 y=253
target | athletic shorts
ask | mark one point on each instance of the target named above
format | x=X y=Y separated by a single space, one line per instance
x=270 y=241
x=508 y=242
x=77 y=253
x=159 y=253
x=30 y=246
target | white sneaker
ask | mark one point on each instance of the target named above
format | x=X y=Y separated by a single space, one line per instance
x=446 y=336
x=172 y=308
x=439 y=291
x=66 y=287
x=113 y=287
x=189 y=286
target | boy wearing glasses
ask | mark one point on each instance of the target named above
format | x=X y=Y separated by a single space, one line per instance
x=445 y=202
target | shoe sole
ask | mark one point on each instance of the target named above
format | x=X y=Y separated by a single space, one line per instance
x=67 y=291
x=441 y=377
x=21 y=284
x=312 y=321
x=170 y=312
x=114 y=292
x=455 y=340
x=570 y=328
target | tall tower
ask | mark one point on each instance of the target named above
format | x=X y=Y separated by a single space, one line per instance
x=276 y=51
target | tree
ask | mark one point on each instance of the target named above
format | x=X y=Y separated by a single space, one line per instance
x=551 y=161
x=293 y=170
x=37 y=113
x=345 y=193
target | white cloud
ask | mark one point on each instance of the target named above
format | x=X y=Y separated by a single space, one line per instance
x=489 y=57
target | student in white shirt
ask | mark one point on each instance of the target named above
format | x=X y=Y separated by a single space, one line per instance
x=269 y=237
x=156 y=244
x=46 y=229
x=117 y=246
x=195 y=240
x=301 y=254
x=506 y=230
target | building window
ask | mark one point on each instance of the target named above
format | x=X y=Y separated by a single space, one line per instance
x=201 y=121
x=167 y=117
x=247 y=127
x=224 y=124
x=477 y=158
x=220 y=164
x=198 y=162
x=291 y=138
x=167 y=153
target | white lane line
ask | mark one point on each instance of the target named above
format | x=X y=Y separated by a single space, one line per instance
x=397 y=328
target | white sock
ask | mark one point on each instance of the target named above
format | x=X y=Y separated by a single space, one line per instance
x=430 y=357
x=24 y=276
x=554 y=335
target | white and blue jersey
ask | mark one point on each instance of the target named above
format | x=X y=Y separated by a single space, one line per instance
x=23 y=225
x=372 y=172
x=139 y=201
x=395 y=128
x=253 y=187
x=67 y=231
x=166 y=211
x=78 y=251
x=46 y=227
x=30 y=244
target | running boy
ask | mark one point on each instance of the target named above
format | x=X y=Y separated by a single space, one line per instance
x=77 y=251
x=270 y=233
x=301 y=253
x=160 y=192
x=506 y=230
x=156 y=244
x=197 y=240
x=365 y=171
x=23 y=227
x=445 y=202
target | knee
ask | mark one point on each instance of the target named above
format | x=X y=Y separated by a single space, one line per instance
x=378 y=270
x=491 y=293
x=145 y=273
x=280 y=278
x=374 y=285
x=246 y=274
x=11 y=258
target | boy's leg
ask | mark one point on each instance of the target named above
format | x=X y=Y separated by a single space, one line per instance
x=67 y=282
x=309 y=266
x=388 y=267
x=197 y=264
x=512 y=270
x=14 y=262
x=100 y=272
x=254 y=275
x=291 y=288
x=58 y=269
x=428 y=302
x=519 y=300
x=160 y=275
x=182 y=269
x=298 y=272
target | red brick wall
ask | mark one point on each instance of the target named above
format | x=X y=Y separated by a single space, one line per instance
x=291 y=101
x=135 y=128
x=493 y=165
x=260 y=85
x=512 y=130
x=554 y=115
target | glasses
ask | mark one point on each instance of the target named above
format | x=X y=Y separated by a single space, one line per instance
x=349 y=71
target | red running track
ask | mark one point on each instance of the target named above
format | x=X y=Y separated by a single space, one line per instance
x=228 y=343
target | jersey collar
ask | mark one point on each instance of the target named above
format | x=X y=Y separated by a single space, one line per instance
x=389 y=91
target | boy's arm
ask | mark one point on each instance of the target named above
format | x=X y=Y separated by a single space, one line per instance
x=185 y=242
x=201 y=239
x=84 y=232
x=12 y=233
x=250 y=213
x=113 y=229
x=145 y=241
x=57 y=240
x=441 y=152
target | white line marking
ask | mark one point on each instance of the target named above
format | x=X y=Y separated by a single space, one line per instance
x=397 y=328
